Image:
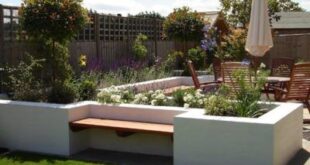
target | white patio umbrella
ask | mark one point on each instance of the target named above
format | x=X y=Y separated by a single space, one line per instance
x=259 y=39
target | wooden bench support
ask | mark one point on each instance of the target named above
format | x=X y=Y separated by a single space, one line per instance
x=122 y=128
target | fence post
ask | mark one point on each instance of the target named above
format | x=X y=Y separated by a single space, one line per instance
x=155 y=36
x=97 y=35
x=2 y=57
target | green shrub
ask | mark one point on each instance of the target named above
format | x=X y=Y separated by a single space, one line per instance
x=178 y=96
x=139 y=49
x=233 y=46
x=127 y=75
x=198 y=57
x=219 y=105
x=87 y=90
x=21 y=83
x=245 y=101
x=87 y=85
x=53 y=24
x=183 y=24
x=63 y=93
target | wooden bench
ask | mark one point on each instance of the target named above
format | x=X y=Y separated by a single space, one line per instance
x=122 y=128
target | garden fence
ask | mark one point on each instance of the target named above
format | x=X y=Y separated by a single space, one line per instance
x=108 y=40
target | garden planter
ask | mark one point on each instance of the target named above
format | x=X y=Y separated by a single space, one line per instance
x=273 y=138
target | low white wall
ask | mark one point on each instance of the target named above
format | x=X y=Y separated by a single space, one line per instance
x=271 y=139
x=44 y=128
x=34 y=127
x=167 y=83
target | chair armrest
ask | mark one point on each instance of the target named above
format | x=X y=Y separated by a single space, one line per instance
x=278 y=89
x=209 y=83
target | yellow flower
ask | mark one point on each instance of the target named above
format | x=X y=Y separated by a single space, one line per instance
x=83 y=60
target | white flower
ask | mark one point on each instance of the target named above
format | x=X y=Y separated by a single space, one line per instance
x=262 y=65
x=153 y=102
x=116 y=98
x=186 y=105
x=200 y=102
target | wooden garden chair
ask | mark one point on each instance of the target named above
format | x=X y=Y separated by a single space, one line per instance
x=280 y=67
x=228 y=68
x=206 y=87
x=299 y=86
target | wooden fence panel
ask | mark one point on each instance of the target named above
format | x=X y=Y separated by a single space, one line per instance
x=290 y=46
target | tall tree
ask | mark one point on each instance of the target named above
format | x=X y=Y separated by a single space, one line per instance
x=239 y=11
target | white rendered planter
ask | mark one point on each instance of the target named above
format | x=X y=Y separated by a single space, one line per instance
x=199 y=139
x=273 y=138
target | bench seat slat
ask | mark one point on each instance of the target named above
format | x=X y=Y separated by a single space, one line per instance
x=120 y=125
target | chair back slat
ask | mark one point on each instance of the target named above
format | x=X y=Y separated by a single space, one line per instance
x=282 y=67
x=228 y=68
x=299 y=86
x=193 y=74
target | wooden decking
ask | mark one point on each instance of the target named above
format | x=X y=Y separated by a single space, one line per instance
x=124 y=126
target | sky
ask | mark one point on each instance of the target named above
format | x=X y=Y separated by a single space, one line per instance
x=164 y=7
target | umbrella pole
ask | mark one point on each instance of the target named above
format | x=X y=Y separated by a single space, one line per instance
x=255 y=64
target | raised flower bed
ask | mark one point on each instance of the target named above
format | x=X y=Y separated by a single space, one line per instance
x=272 y=138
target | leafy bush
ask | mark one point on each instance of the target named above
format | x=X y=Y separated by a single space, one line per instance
x=21 y=83
x=219 y=105
x=56 y=20
x=243 y=104
x=87 y=85
x=54 y=24
x=139 y=49
x=127 y=75
x=198 y=57
x=233 y=46
x=183 y=24
x=87 y=90
x=178 y=96
x=63 y=93
x=194 y=99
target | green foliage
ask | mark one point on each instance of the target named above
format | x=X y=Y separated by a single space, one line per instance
x=49 y=19
x=21 y=83
x=20 y=158
x=139 y=49
x=152 y=14
x=183 y=24
x=87 y=86
x=53 y=24
x=233 y=46
x=63 y=93
x=219 y=105
x=283 y=5
x=198 y=57
x=56 y=66
x=175 y=59
x=248 y=95
x=130 y=75
x=244 y=103
x=178 y=96
x=239 y=11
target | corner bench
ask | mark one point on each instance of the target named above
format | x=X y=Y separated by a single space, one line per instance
x=123 y=128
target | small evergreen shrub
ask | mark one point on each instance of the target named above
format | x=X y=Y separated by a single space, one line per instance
x=139 y=49
x=63 y=93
